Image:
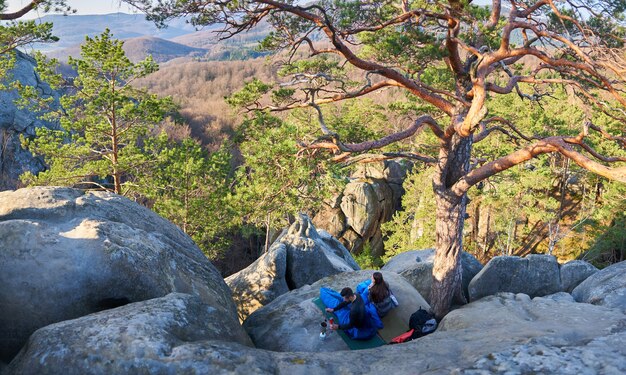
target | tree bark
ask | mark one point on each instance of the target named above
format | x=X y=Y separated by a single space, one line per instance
x=450 y=218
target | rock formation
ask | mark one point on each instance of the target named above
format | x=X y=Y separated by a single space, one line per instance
x=371 y=197
x=605 y=288
x=501 y=334
x=535 y=275
x=122 y=291
x=65 y=254
x=417 y=267
x=14 y=121
x=300 y=256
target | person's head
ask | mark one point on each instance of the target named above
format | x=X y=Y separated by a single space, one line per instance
x=347 y=294
x=378 y=290
x=377 y=278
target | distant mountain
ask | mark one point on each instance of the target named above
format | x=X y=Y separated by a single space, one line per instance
x=72 y=29
x=139 y=48
x=179 y=39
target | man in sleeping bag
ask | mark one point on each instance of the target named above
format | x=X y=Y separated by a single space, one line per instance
x=356 y=317
x=357 y=310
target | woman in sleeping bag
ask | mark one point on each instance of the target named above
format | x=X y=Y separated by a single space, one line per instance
x=380 y=294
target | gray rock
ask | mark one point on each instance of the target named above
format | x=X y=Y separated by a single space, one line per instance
x=417 y=267
x=575 y=272
x=261 y=282
x=606 y=287
x=361 y=206
x=14 y=121
x=312 y=255
x=332 y=220
x=300 y=256
x=67 y=253
x=505 y=334
x=292 y=321
x=535 y=275
x=143 y=337
x=549 y=336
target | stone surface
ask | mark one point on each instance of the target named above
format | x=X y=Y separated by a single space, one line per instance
x=312 y=255
x=361 y=207
x=300 y=256
x=417 y=267
x=606 y=287
x=66 y=253
x=503 y=334
x=140 y=337
x=575 y=272
x=292 y=321
x=370 y=199
x=261 y=282
x=14 y=160
x=332 y=220
x=535 y=275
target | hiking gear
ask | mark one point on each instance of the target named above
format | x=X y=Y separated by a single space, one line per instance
x=423 y=322
x=405 y=337
x=394 y=300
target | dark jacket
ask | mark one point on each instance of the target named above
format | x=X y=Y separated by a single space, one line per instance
x=357 y=313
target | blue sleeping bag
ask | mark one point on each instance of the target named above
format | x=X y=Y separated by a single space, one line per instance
x=373 y=323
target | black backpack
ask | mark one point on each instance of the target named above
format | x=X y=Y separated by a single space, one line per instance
x=422 y=322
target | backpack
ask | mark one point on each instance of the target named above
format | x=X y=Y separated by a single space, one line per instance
x=422 y=322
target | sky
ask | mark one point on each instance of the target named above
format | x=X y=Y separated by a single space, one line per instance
x=81 y=6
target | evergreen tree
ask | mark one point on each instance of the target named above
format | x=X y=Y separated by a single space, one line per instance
x=103 y=120
x=190 y=187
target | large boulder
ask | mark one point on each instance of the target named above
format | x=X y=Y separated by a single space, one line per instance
x=417 y=267
x=360 y=204
x=66 y=253
x=502 y=334
x=142 y=337
x=607 y=287
x=312 y=255
x=300 y=256
x=292 y=321
x=535 y=275
x=16 y=121
x=575 y=272
x=261 y=282
x=543 y=335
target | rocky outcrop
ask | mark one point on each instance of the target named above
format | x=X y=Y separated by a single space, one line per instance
x=607 y=287
x=535 y=275
x=292 y=321
x=368 y=200
x=128 y=337
x=502 y=334
x=67 y=253
x=575 y=272
x=14 y=121
x=417 y=268
x=299 y=257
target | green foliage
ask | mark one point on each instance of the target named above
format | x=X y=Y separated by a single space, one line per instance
x=275 y=181
x=103 y=120
x=366 y=260
x=190 y=187
x=607 y=227
x=250 y=94
x=414 y=226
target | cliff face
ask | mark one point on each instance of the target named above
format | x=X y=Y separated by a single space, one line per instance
x=14 y=121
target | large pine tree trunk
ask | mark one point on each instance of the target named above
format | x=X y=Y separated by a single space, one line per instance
x=447 y=270
x=450 y=216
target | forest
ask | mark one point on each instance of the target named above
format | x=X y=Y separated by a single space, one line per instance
x=513 y=132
